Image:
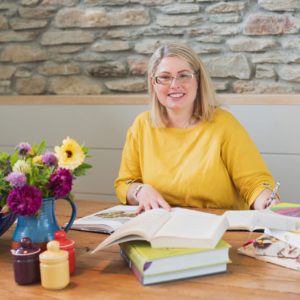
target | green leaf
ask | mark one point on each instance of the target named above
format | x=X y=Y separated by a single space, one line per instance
x=14 y=158
x=41 y=148
x=81 y=170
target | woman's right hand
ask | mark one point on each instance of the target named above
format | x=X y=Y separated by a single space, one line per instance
x=148 y=198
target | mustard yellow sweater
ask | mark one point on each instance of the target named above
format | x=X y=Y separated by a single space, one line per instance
x=212 y=165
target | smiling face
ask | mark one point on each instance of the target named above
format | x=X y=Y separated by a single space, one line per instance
x=177 y=96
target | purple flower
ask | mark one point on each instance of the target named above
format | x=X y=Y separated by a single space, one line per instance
x=16 y=179
x=25 y=201
x=49 y=159
x=24 y=149
x=60 y=182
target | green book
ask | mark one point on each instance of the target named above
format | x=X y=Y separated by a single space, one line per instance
x=150 y=261
x=175 y=275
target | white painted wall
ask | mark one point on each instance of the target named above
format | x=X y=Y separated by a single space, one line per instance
x=102 y=128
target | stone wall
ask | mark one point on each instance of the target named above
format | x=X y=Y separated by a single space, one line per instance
x=84 y=47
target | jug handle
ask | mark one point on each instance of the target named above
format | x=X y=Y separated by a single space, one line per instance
x=74 y=212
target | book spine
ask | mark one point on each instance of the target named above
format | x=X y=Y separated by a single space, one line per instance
x=135 y=256
x=132 y=266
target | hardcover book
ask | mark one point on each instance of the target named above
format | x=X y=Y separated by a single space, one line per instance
x=151 y=261
x=151 y=265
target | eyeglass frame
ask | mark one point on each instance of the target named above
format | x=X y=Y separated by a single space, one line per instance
x=175 y=77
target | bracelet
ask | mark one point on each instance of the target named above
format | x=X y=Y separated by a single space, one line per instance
x=136 y=191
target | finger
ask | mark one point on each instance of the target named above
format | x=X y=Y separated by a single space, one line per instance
x=164 y=204
x=154 y=204
x=139 y=209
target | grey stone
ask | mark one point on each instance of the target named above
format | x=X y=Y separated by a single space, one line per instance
x=110 y=46
x=279 y=5
x=21 y=54
x=180 y=9
x=100 y=17
x=222 y=7
x=250 y=44
x=289 y=73
x=74 y=85
x=67 y=37
x=108 y=69
x=229 y=66
x=50 y=69
x=6 y=72
x=31 y=86
x=127 y=85
x=264 y=71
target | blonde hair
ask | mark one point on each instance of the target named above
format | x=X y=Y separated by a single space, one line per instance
x=205 y=102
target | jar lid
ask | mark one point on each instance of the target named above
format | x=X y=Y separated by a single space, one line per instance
x=53 y=253
x=61 y=237
x=26 y=247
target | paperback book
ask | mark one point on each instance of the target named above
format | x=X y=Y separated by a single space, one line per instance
x=109 y=220
x=185 y=228
x=270 y=249
x=178 y=228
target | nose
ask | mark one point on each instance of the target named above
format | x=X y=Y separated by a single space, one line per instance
x=174 y=81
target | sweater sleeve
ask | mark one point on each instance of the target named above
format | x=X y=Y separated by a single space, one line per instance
x=130 y=170
x=244 y=162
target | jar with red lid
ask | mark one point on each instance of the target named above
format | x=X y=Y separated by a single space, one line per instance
x=67 y=245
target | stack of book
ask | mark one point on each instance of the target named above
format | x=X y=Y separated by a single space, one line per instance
x=277 y=246
x=153 y=265
x=182 y=242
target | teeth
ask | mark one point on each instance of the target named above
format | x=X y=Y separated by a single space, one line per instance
x=176 y=95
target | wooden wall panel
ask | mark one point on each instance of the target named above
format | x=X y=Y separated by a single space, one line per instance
x=274 y=128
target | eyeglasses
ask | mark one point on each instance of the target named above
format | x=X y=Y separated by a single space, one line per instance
x=168 y=79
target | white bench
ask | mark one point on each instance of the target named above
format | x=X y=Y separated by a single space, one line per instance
x=101 y=122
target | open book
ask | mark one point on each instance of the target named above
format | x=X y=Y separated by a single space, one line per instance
x=106 y=221
x=260 y=219
x=185 y=228
x=180 y=228
x=269 y=249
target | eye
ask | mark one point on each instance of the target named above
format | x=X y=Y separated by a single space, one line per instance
x=164 y=77
x=184 y=76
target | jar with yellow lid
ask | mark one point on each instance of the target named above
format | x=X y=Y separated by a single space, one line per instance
x=54 y=267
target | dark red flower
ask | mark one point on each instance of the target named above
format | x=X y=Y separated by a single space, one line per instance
x=61 y=182
x=25 y=201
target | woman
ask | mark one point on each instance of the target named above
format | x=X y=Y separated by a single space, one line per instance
x=187 y=151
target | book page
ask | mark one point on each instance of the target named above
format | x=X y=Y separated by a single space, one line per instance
x=144 y=226
x=193 y=228
x=240 y=219
x=107 y=220
x=259 y=219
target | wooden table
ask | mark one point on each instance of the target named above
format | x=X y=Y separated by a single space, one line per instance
x=104 y=275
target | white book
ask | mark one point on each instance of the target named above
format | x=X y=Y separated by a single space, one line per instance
x=260 y=219
x=106 y=221
x=178 y=228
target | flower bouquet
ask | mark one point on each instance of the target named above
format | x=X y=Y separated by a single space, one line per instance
x=32 y=174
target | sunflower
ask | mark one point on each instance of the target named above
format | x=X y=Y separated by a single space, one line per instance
x=70 y=154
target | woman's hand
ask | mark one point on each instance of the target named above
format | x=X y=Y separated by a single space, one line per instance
x=146 y=198
x=263 y=201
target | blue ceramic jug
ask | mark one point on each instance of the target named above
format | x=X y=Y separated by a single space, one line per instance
x=41 y=228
